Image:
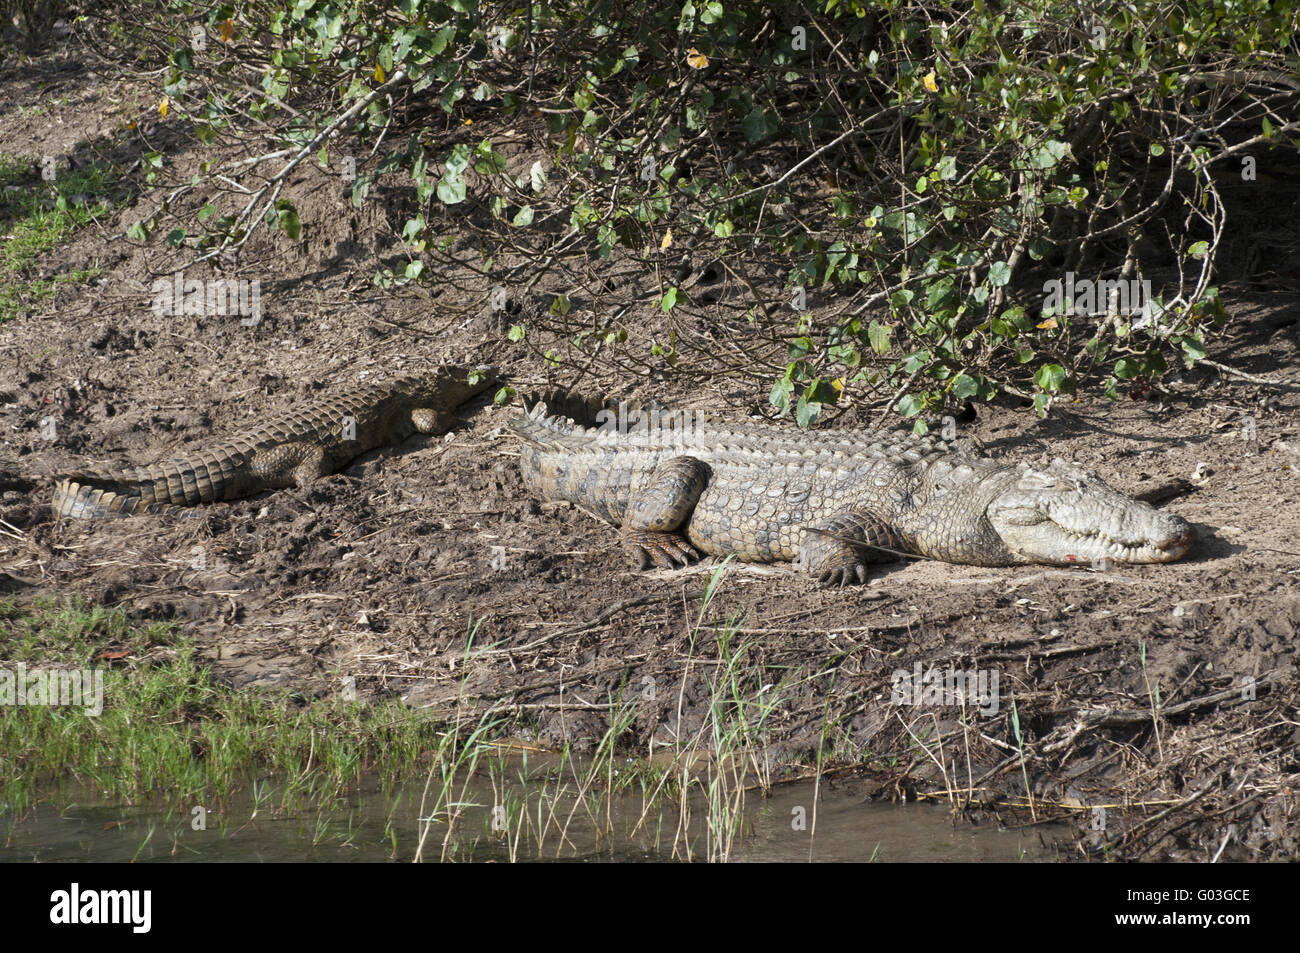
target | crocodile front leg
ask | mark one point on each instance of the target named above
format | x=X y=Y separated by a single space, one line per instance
x=838 y=550
x=656 y=514
x=293 y=463
x=432 y=420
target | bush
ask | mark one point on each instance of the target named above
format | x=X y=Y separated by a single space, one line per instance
x=977 y=196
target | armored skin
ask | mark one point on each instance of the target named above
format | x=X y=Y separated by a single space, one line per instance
x=292 y=450
x=832 y=501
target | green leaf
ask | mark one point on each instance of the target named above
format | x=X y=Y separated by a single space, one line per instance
x=669 y=299
x=1193 y=351
x=1125 y=369
x=523 y=218
x=451 y=95
x=413 y=229
x=782 y=390
x=1154 y=364
x=451 y=189
x=458 y=159
x=176 y=237
x=1049 y=154
x=801 y=346
x=916 y=361
x=878 y=336
x=288 y=219
x=360 y=189
x=963 y=385
x=441 y=39
x=806 y=411
x=901 y=299
x=537 y=178
x=1199 y=250
x=516 y=332
x=755 y=125
x=414 y=269
x=909 y=405
x=487 y=160
x=1051 y=377
x=999 y=274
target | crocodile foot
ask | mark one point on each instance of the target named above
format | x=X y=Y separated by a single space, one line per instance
x=832 y=576
x=838 y=551
x=665 y=550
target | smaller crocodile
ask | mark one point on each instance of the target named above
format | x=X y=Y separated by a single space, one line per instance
x=832 y=501
x=292 y=450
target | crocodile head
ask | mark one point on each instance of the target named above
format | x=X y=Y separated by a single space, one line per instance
x=1067 y=515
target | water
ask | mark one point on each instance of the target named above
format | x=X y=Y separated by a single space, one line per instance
x=553 y=825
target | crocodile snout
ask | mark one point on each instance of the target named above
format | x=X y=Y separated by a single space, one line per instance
x=1181 y=541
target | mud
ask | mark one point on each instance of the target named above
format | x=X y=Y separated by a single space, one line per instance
x=426 y=570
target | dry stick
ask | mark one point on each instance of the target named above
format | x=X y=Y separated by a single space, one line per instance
x=1107 y=718
x=1118 y=718
x=277 y=180
x=799 y=165
x=1132 y=833
x=1253 y=378
x=572 y=630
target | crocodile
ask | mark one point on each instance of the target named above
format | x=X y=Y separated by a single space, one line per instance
x=292 y=450
x=833 y=501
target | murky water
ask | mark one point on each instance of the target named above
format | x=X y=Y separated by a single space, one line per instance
x=531 y=824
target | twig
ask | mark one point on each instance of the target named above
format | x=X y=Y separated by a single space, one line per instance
x=1253 y=378
x=276 y=182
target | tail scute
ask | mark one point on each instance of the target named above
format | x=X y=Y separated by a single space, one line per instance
x=73 y=500
x=560 y=418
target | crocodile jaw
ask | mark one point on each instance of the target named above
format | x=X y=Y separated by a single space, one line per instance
x=1065 y=515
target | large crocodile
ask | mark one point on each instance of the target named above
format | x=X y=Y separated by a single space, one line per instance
x=833 y=501
x=292 y=450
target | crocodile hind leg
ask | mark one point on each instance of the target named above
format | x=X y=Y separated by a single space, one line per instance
x=655 y=516
x=838 y=550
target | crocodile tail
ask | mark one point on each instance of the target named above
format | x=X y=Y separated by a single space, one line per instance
x=75 y=500
x=79 y=501
x=557 y=418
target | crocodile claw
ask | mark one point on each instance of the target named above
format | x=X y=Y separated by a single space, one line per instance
x=665 y=550
x=842 y=576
